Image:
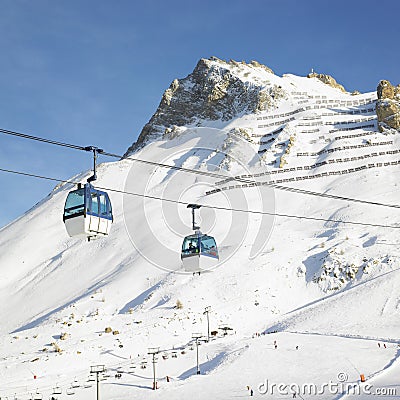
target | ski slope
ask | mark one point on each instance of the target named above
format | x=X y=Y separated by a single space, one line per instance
x=327 y=288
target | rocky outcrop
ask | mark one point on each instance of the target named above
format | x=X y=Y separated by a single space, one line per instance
x=169 y=93
x=328 y=80
x=386 y=90
x=215 y=90
x=258 y=65
x=388 y=106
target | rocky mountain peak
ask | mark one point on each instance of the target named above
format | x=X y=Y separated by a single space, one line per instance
x=215 y=90
x=219 y=90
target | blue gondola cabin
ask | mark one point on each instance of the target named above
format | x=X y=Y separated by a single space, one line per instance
x=88 y=213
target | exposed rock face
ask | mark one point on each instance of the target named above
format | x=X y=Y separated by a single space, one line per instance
x=388 y=106
x=328 y=80
x=215 y=90
x=169 y=93
x=385 y=90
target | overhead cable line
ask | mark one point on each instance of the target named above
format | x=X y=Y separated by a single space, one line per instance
x=39 y=139
x=205 y=206
x=199 y=172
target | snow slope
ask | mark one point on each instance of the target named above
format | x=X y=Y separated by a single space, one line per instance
x=328 y=288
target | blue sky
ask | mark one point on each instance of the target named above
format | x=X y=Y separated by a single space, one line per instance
x=93 y=72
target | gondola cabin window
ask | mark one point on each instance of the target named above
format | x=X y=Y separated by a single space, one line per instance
x=75 y=203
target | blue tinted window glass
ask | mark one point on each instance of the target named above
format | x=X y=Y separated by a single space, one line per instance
x=103 y=205
x=190 y=245
x=75 y=202
x=94 y=207
x=209 y=246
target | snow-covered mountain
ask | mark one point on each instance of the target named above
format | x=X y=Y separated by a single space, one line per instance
x=293 y=301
